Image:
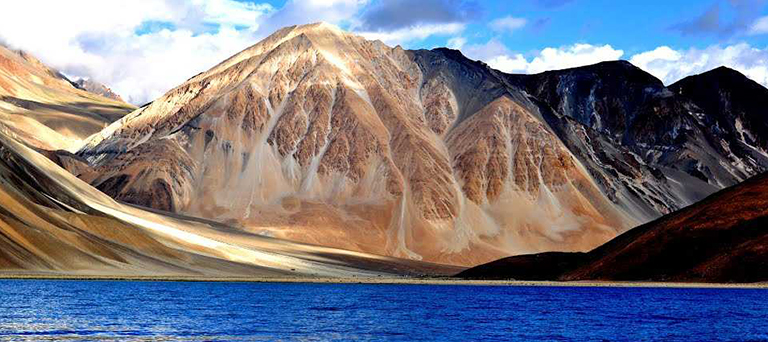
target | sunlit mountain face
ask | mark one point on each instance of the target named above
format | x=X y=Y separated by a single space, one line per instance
x=321 y=136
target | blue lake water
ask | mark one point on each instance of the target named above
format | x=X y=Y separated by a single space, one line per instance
x=35 y=310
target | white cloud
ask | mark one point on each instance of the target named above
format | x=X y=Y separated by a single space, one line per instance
x=672 y=65
x=298 y=12
x=661 y=53
x=456 y=42
x=507 y=24
x=484 y=52
x=511 y=64
x=141 y=49
x=656 y=61
x=413 y=33
x=227 y=12
x=760 y=26
x=499 y=57
x=667 y=64
x=573 y=56
x=99 y=39
x=147 y=66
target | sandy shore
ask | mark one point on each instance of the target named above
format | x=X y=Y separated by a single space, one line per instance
x=400 y=280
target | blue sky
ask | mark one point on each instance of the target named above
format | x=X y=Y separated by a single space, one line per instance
x=633 y=26
x=143 y=48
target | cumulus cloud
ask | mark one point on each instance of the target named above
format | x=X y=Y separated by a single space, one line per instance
x=297 y=12
x=671 y=65
x=573 y=56
x=141 y=49
x=507 y=24
x=412 y=33
x=664 y=62
x=110 y=41
x=492 y=48
x=498 y=56
x=456 y=42
x=760 y=26
x=147 y=66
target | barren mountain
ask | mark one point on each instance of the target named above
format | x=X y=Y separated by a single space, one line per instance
x=321 y=136
x=97 y=88
x=45 y=109
x=723 y=238
x=53 y=223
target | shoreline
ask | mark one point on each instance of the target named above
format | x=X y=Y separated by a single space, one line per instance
x=379 y=281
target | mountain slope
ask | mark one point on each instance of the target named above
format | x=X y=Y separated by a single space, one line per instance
x=660 y=136
x=53 y=223
x=734 y=104
x=45 y=109
x=723 y=238
x=320 y=136
x=97 y=88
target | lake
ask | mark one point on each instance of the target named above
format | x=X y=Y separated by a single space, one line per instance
x=35 y=310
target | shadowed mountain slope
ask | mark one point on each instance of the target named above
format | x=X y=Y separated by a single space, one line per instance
x=723 y=238
x=45 y=109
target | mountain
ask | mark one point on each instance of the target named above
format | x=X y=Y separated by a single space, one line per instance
x=97 y=88
x=736 y=107
x=723 y=238
x=55 y=224
x=667 y=127
x=320 y=136
x=45 y=109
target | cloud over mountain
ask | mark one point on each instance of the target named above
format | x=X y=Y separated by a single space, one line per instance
x=142 y=49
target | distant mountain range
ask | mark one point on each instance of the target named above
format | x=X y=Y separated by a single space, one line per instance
x=96 y=88
x=319 y=136
x=45 y=108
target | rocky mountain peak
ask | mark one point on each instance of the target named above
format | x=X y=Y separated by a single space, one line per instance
x=724 y=70
x=320 y=27
x=318 y=135
x=96 y=88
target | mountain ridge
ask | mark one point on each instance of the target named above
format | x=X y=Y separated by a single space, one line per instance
x=46 y=109
x=320 y=136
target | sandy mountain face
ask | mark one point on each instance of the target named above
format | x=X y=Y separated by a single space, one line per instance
x=723 y=238
x=320 y=136
x=44 y=109
x=97 y=88
x=54 y=223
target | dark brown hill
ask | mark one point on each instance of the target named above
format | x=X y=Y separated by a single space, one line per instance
x=721 y=239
